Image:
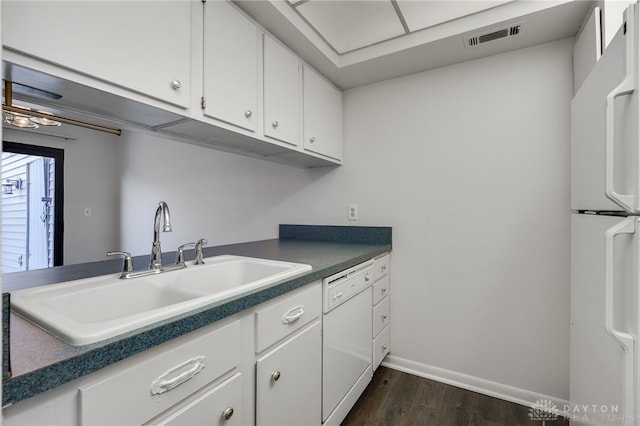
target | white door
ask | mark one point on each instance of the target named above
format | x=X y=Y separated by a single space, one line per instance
x=230 y=65
x=38 y=244
x=281 y=93
x=288 y=381
x=322 y=111
x=605 y=253
x=141 y=45
x=604 y=132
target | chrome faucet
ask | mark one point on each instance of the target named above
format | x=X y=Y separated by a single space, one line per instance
x=162 y=212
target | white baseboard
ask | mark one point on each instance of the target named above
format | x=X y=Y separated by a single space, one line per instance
x=475 y=384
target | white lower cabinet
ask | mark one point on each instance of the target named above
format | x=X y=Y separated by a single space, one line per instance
x=261 y=366
x=288 y=347
x=216 y=407
x=288 y=381
x=159 y=385
x=158 y=382
x=381 y=337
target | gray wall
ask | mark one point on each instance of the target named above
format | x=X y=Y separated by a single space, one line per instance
x=468 y=163
x=91 y=179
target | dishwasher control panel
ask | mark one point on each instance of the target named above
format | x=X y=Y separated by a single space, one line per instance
x=344 y=285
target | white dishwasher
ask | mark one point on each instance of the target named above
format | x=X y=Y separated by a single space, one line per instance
x=346 y=340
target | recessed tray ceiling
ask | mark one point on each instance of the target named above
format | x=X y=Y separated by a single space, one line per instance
x=358 y=42
x=355 y=24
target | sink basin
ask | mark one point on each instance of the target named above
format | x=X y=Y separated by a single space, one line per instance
x=92 y=310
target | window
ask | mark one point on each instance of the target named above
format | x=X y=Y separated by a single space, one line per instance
x=32 y=207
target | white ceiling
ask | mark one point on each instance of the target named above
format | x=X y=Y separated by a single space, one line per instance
x=358 y=42
x=350 y=25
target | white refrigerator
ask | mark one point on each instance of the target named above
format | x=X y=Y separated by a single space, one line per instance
x=605 y=237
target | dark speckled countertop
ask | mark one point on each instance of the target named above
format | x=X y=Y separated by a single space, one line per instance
x=40 y=361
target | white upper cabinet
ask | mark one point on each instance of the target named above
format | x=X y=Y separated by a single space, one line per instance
x=322 y=107
x=281 y=93
x=139 y=45
x=230 y=65
x=197 y=70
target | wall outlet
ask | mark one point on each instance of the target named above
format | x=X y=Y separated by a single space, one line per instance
x=352 y=213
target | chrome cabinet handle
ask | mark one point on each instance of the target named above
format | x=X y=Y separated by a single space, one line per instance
x=384 y=290
x=175 y=84
x=275 y=376
x=275 y=124
x=313 y=139
x=384 y=348
x=228 y=413
x=248 y=113
x=384 y=316
x=384 y=268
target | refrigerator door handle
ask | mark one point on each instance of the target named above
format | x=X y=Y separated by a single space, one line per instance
x=625 y=340
x=626 y=87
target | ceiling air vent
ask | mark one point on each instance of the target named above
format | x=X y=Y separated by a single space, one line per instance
x=495 y=34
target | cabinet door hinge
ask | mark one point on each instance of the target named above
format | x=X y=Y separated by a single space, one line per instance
x=203 y=102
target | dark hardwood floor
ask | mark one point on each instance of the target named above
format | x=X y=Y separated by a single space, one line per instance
x=397 y=398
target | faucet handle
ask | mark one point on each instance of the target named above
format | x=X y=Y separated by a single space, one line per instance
x=201 y=242
x=180 y=253
x=127 y=266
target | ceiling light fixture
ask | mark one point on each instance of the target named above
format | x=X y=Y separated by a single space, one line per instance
x=19 y=119
x=23 y=117
x=43 y=121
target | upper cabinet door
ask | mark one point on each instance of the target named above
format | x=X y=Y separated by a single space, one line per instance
x=230 y=65
x=322 y=116
x=281 y=93
x=139 y=45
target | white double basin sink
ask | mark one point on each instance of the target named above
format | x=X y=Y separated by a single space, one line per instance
x=96 y=309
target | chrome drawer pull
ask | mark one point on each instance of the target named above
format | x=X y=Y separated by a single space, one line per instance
x=293 y=314
x=226 y=414
x=178 y=375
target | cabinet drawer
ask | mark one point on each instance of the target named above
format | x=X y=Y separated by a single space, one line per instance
x=380 y=267
x=152 y=383
x=381 y=289
x=381 y=347
x=276 y=321
x=217 y=407
x=380 y=316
